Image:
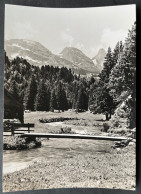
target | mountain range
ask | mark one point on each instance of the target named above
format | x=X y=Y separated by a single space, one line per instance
x=38 y=55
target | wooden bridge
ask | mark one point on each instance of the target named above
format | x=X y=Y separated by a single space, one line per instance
x=72 y=136
x=15 y=130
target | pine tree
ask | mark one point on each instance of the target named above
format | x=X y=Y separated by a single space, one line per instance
x=82 y=100
x=53 y=103
x=13 y=89
x=129 y=60
x=30 y=95
x=64 y=101
x=121 y=47
x=125 y=70
x=105 y=101
x=117 y=52
x=42 y=100
x=123 y=75
x=107 y=66
x=75 y=94
x=61 y=98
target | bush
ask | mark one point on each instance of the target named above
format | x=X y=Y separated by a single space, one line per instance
x=65 y=130
x=106 y=126
x=17 y=143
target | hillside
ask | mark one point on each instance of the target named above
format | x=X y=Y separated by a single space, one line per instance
x=35 y=53
x=38 y=55
x=77 y=57
x=99 y=59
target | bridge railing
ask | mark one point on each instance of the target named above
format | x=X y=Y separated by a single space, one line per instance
x=17 y=128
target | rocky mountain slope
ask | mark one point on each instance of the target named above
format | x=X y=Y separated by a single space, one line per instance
x=78 y=58
x=99 y=59
x=38 y=55
x=34 y=53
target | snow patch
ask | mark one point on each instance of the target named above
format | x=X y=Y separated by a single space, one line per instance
x=94 y=61
x=16 y=45
x=60 y=55
x=14 y=55
x=29 y=41
x=30 y=59
x=46 y=62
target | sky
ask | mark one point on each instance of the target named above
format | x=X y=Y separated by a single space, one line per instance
x=88 y=29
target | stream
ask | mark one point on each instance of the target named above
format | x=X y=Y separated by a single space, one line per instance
x=52 y=149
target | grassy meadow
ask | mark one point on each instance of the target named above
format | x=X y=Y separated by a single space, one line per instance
x=69 y=163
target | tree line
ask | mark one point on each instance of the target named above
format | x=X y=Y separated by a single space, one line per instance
x=46 y=88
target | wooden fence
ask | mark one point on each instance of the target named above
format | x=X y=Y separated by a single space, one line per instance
x=17 y=128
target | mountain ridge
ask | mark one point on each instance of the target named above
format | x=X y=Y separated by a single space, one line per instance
x=77 y=57
x=99 y=58
x=38 y=55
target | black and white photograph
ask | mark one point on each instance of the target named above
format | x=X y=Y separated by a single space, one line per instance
x=69 y=98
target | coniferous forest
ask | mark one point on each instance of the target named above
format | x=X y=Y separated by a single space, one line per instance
x=52 y=88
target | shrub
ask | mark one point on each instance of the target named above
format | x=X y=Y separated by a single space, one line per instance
x=106 y=126
x=65 y=130
x=17 y=143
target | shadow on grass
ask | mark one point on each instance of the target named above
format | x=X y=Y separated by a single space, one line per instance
x=102 y=120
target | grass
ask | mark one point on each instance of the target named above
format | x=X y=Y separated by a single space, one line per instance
x=87 y=122
x=84 y=123
x=79 y=164
x=75 y=163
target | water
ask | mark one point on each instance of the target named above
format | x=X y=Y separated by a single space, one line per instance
x=52 y=149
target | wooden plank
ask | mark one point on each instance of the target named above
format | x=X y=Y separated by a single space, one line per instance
x=17 y=130
x=73 y=136
x=23 y=129
x=23 y=124
x=7 y=131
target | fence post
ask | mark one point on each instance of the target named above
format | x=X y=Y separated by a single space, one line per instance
x=12 y=129
x=28 y=128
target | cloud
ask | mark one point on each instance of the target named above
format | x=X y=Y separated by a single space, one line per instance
x=70 y=41
x=93 y=51
x=24 y=30
x=80 y=46
x=67 y=37
x=111 y=37
x=108 y=38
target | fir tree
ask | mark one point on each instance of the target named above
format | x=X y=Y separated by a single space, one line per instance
x=61 y=98
x=30 y=95
x=82 y=100
x=107 y=66
x=106 y=103
x=105 y=100
x=13 y=89
x=53 y=103
x=42 y=100
x=117 y=52
x=123 y=75
x=64 y=101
